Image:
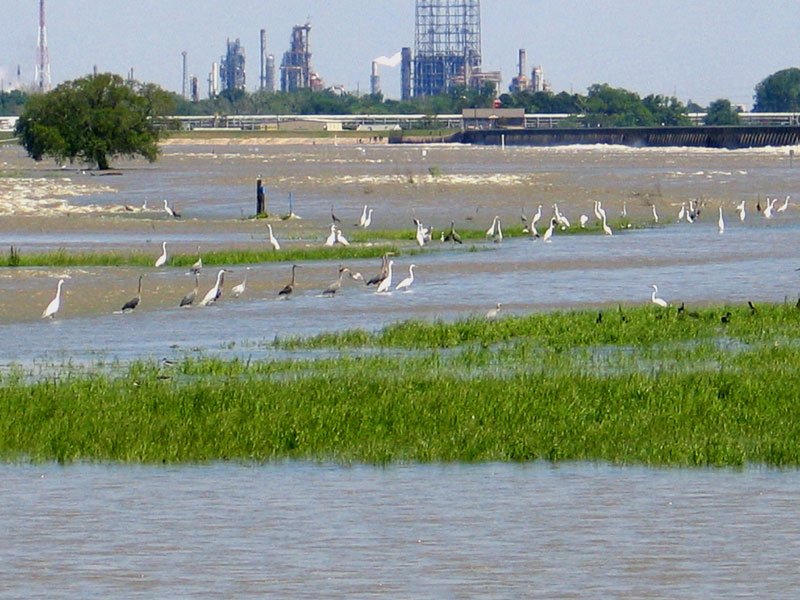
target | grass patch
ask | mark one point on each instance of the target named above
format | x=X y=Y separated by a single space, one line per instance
x=675 y=389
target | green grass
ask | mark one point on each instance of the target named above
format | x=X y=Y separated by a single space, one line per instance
x=62 y=258
x=655 y=387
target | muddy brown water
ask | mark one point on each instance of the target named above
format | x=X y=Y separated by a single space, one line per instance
x=213 y=186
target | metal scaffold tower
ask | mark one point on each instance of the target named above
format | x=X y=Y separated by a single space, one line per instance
x=447 y=44
x=43 y=81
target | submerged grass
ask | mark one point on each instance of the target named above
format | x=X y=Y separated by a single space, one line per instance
x=62 y=258
x=674 y=389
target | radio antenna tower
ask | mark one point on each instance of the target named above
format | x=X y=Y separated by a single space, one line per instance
x=43 y=81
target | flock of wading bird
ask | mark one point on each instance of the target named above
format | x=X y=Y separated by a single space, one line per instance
x=689 y=212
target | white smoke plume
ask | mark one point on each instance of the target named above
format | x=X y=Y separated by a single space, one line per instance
x=389 y=61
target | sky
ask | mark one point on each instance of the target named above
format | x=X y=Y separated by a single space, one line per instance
x=698 y=50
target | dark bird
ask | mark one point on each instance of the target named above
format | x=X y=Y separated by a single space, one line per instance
x=752 y=307
x=681 y=308
x=798 y=303
x=453 y=236
x=384 y=270
x=189 y=298
x=289 y=287
x=134 y=302
x=171 y=211
x=726 y=318
x=336 y=285
x=334 y=218
x=599 y=318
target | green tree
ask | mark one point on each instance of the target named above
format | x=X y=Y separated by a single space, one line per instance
x=666 y=111
x=615 y=107
x=93 y=119
x=721 y=112
x=780 y=92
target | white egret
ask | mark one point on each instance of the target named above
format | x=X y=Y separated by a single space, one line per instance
x=215 y=292
x=289 y=287
x=331 y=239
x=406 y=283
x=655 y=214
x=55 y=303
x=162 y=259
x=562 y=219
x=493 y=312
x=420 y=235
x=597 y=210
x=783 y=206
x=189 y=298
x=655 y=299
x=549 y=232
x=606 y=228
x=740 y=208
x=238 y=290
x=368 y=221
x=682 y=212
x=768 y=209
x=384 y=270
x=498 y=233
x=624 y=212
x=493 y=228
x=721 y=222
x=273 y=242
x=340 y=239
x=583 y=220
x=536 y=218
x=600 y=209
x=171 y=211
x=363 y=217
x=134 y=302
x=386 y=284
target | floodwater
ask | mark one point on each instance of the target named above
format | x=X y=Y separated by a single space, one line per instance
x=299 y=530
x=296 y=530
x=213 y=185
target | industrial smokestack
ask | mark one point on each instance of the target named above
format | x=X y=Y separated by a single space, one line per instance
x=375 y=79
x=269 y=84
x=262 y=81
x=185 y=77
x=405 y=73
x=522 y=61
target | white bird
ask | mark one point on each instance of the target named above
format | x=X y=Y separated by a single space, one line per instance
x=498 y=233
x=721 y=222
x=406 y=283
x=549 y=232
x=386 y=284
x=583 y=220
x=273 y=242
x=368 y=221
x=162 y=260
x=601 y=210
x=331 y=240
x=238 y=290
x=655 y=299
x=363 y=217
x=420 y=234
x=682 y=211
x=783 y=206
x=606 y=228
x=597 y=210
x=493 y=228
x=768 y=209
x=144 y=205
x=55 y=303
x=493 y=312
x=655 y=214
x=170 y=211
x=340 y=239
x=740 y=208
x=562 y=220
x=215 y=292
x=624 y=212
x=536 y=218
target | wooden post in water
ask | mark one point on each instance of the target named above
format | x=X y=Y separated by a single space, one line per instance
x=261 y=209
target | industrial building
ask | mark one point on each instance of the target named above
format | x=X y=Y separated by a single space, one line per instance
x=521 y=83
x=296 y=73
x=231 y=69
x=447 y=49
x=266 y=80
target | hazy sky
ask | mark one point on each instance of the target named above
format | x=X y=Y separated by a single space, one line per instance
x=699 y=50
